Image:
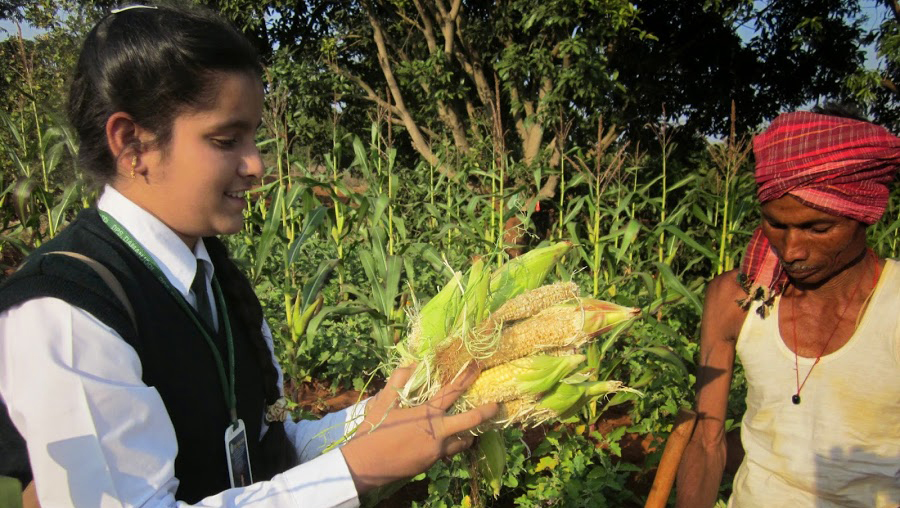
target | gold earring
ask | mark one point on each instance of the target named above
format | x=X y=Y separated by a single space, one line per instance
x=133 y=165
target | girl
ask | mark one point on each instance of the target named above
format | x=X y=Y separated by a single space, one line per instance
x=177 y=398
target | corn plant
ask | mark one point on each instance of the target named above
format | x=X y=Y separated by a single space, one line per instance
x=729 y=159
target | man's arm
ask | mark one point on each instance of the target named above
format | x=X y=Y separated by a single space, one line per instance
x=700 y=472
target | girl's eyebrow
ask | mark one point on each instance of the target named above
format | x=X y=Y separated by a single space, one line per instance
x=238 y=124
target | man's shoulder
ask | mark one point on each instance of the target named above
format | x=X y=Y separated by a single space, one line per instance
x=725 y=288
x=722 y=308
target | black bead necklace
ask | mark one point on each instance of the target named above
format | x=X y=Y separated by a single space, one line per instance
x=795 y=398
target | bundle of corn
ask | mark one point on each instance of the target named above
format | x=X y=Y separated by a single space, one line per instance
x=523 y=335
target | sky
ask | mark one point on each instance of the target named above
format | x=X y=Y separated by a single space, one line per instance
x=870 y=8
x=8 y=28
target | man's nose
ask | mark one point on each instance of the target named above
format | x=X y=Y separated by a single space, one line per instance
x=794 y=247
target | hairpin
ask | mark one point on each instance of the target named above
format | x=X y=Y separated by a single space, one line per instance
x=116 y=11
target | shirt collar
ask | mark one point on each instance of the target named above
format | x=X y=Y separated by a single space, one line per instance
x=177 y=262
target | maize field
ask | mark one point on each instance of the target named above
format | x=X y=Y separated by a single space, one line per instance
x=582 y=310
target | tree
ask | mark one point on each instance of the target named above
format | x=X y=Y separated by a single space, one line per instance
x=880 y=88
x=442 y=67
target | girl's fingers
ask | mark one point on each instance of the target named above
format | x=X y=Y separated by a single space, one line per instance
x=400 y=376
x=397 y=380
x=457 y=443
x=447 y=395
x=462 y=422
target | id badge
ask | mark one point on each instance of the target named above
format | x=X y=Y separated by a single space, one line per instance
x=238 y=455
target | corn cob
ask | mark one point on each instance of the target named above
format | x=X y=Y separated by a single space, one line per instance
x=447 y=321
x=564 y=325
x=523 y=273
x=563 y=401
x=512 y=380
x=524 y=338
x=531 y=302
x=512 y=411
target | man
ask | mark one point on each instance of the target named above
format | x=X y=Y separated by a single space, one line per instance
x=814 y=316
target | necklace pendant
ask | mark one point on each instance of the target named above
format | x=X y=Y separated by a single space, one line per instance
x=795 y=399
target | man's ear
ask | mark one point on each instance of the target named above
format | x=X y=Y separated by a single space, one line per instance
x=123 y=136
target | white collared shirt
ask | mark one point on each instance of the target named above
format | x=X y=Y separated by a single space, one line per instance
x=98 y=436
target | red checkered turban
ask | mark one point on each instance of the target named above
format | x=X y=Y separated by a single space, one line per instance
x=837 y=165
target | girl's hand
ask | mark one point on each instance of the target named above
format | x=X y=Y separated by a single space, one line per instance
x=393 y=443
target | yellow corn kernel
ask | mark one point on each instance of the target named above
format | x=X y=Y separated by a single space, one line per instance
x=564 y=325
x=510 y=412
x=531 y=302
x=512 y=380
x=525 y=272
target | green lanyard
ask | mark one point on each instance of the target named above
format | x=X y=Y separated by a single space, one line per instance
x=138 y=249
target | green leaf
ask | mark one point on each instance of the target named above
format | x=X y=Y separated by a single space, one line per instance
x=628 y=236
x=667 y=355
x=673 y=283
x=269 y=233
x=313 y=221
x=314 y=285
x=684 y=237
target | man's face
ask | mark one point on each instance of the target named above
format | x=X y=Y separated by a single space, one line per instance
x=812 y=245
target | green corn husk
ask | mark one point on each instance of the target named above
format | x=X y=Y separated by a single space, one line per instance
x=563 y=401
x=435 y=319
x=474 y=304
x=490 y=459
x=525 y=272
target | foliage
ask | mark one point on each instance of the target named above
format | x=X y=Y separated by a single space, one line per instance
x=354 y=226
x=879 y=87
x=767 y=57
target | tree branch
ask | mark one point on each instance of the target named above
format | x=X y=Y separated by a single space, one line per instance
x=446 y=112
x=415 y=133
x=449 y=25
x=890 y=85
x=534 y=135
x=427 y=28
x=411 y=21
x=425 y=130
x=518 y=119
x=472 y=65
x=370 y=92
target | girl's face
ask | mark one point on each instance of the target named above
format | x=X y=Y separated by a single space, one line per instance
x=196 y=183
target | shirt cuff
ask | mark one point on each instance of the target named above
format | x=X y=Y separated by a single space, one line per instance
x=355 y=416
x=323 y=482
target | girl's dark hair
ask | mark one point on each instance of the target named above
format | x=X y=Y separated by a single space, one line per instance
x=153 y=64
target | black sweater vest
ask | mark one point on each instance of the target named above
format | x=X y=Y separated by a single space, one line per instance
x=175 y=358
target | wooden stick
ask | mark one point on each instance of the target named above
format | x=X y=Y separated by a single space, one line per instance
x=668 y=465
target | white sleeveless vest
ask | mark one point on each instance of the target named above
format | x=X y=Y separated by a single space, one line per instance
x=840 y=447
